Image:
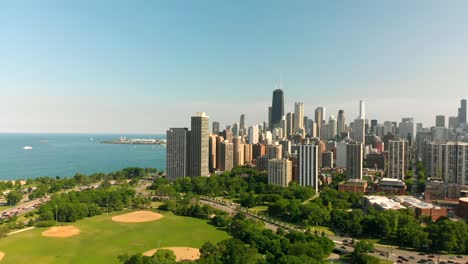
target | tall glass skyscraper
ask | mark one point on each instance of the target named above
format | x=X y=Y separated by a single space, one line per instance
x=277 y=108
x=462 y=112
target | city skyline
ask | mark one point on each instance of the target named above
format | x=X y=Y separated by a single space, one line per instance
x=87 y=68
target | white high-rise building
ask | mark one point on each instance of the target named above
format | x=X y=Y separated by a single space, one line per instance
x=279 y=172
x=199 y=145
x=284 y=127
x=253 y=134
x=298 y=116
x=359 y=125
x=277 y=133
x=447 y=160
x=268 y=138
x=397 y=159
x=308 y=166
x=362 y=109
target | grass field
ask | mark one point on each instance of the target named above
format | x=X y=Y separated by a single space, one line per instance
x=101 y=240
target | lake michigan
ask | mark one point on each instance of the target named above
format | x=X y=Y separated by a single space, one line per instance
x=66 y=154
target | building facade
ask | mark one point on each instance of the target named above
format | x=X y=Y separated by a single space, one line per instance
x=279 y=172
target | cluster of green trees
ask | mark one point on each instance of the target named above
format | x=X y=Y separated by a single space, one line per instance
x=248 y=185
x=73 y=206
x=421 y=175
x=188 y=206
x=360 y=256
x=162 y=256
x=51 y=185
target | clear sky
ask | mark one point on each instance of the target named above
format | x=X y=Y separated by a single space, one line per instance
x=144 y=66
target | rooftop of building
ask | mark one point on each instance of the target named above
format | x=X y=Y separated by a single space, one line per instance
x=354 y=182
x=413 y=202
x=391 y=180
x=384 y=202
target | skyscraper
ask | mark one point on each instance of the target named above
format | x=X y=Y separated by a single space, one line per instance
x=284 y=127
x=440 y=121
x=212 y=142
x=238 y=152
x=359 y=128
x=235 y=130
x=242 y=128
x=177 y=161
x=388 y=127
x=215 y=127
x=332 y=127
x=448 y=160
x=319 y=117
x=341 y=122
x=362 y=109
x=462 y=113
x=253 y=135
x=453 y=122
x=359 y=125
x=354 y=160
x=277 y=107
x=279 y=172
x=298 y=116
x=406 y=129
x=397 y=159
x=289 y=123
x=227 y=156
x=199 y=148
x=373 y=124
x=308 y=166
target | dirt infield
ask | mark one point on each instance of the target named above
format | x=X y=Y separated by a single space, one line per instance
x=182 y=253
x=61 y=231
x=137 y=217
x=2 y=255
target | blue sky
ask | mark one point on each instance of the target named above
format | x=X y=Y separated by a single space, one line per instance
x=142 y=66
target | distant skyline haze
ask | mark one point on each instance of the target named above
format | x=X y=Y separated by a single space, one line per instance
x=145 y=66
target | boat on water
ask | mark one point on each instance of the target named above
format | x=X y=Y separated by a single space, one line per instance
x=27 y=147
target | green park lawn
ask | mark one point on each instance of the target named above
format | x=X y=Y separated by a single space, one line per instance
x=101 y=240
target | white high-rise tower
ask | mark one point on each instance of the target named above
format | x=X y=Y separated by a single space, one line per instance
x=298 y=116
x=362 y=109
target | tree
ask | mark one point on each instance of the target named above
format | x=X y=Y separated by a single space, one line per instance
x=230 y=251
x=359 y=255
x=14 y=197
x=247 y=200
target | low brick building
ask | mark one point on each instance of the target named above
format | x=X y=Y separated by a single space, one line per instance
x=353 y=185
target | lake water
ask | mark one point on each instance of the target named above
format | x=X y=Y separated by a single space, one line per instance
x=65 y=154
